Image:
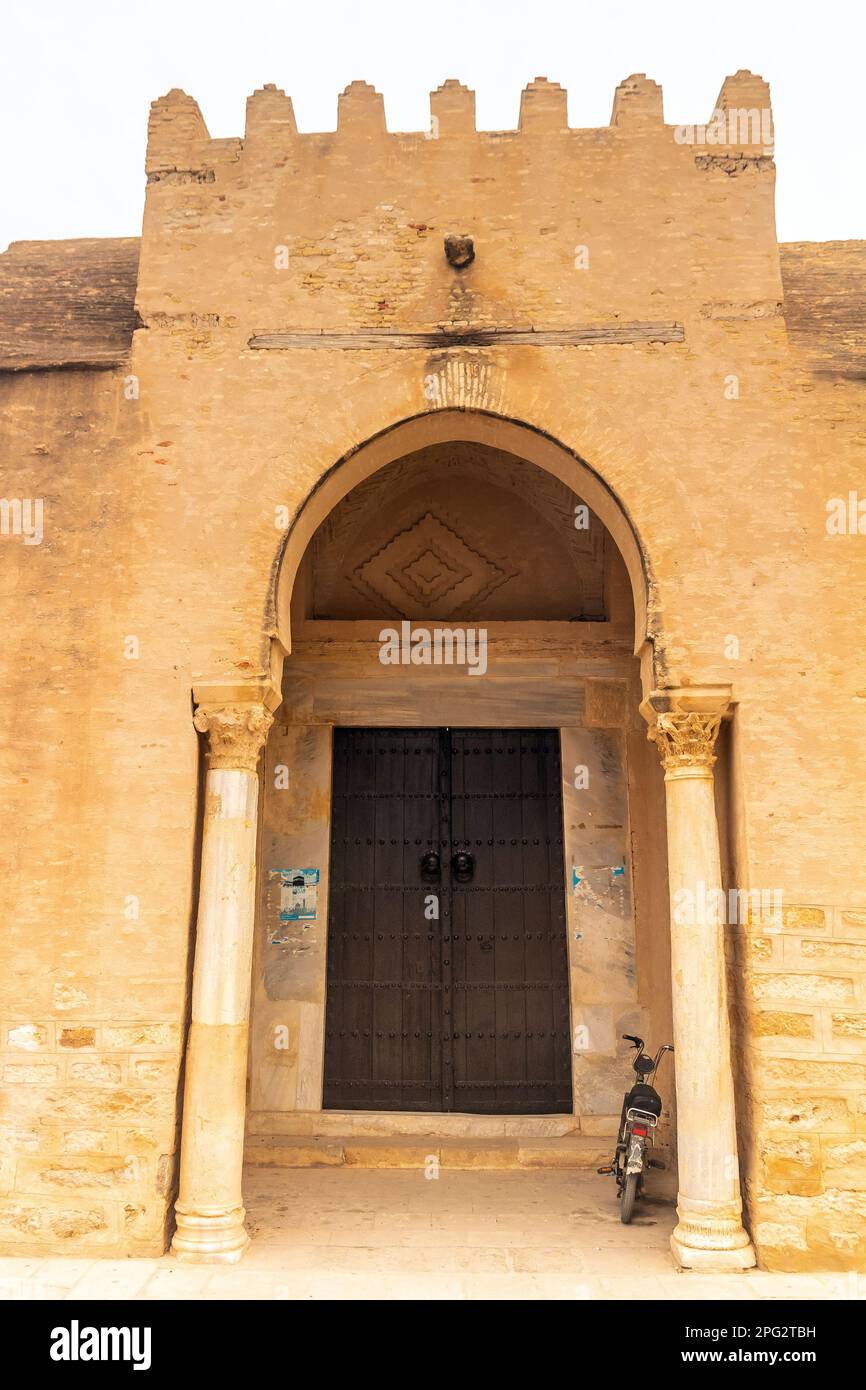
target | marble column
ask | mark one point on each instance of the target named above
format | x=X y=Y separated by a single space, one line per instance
x=209 y=1209
x=709 y=1233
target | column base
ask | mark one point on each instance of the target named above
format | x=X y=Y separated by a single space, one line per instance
x=690 y=1257
x=711 y=1235
x=209 y=1237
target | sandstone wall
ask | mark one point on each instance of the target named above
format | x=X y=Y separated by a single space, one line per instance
x=99 y=774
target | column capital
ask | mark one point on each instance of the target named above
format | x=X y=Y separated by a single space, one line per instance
x=684 y=724
x=686 y=740
x=236 y=734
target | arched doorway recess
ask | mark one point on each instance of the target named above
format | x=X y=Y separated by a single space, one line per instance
x=474 y=524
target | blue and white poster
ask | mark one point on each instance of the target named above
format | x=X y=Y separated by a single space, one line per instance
x=299 y=894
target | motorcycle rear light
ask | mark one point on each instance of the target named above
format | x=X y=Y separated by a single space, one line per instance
x=639 y=1129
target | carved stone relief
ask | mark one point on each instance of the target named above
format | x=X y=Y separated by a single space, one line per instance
x=459 y=531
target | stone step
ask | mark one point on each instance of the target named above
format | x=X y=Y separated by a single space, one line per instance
x=439 y=1125
x=406 y=1151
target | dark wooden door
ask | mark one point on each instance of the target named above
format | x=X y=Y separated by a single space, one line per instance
x=509 y=972
x=447 y=976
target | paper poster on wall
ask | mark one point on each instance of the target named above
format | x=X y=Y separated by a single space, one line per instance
x=599 y=885
x=299 y=894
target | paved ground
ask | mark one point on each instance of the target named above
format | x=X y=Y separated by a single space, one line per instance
x=392 y=1234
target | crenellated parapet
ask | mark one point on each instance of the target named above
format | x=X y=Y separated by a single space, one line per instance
x=292 y=231
x=177 y=133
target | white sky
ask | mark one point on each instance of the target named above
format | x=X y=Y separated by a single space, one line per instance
x=77 y=78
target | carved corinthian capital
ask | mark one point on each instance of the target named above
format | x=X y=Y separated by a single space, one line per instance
x=686 y=739
x=236 y=734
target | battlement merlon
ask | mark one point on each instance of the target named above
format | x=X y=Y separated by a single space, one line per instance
x=178 y=138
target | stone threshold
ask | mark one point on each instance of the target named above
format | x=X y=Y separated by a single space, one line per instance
x=438 y=1124
x=417 y=1151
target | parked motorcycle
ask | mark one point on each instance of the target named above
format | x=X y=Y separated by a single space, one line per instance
x=641 y=1109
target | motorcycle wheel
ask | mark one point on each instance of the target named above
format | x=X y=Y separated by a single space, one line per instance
x=629 y=1194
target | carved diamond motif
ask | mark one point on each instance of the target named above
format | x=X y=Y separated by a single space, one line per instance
x=429 y=575
x=428 y=569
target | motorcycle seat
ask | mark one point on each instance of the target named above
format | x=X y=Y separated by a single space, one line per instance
x=644 y=1097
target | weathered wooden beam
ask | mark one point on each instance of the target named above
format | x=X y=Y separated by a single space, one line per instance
x=825 y=305
x=67 y=303
x=380 y=338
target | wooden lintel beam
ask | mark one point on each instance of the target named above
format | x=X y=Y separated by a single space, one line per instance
x=368 y=339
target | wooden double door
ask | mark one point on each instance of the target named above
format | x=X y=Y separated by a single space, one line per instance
x=447 y=982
